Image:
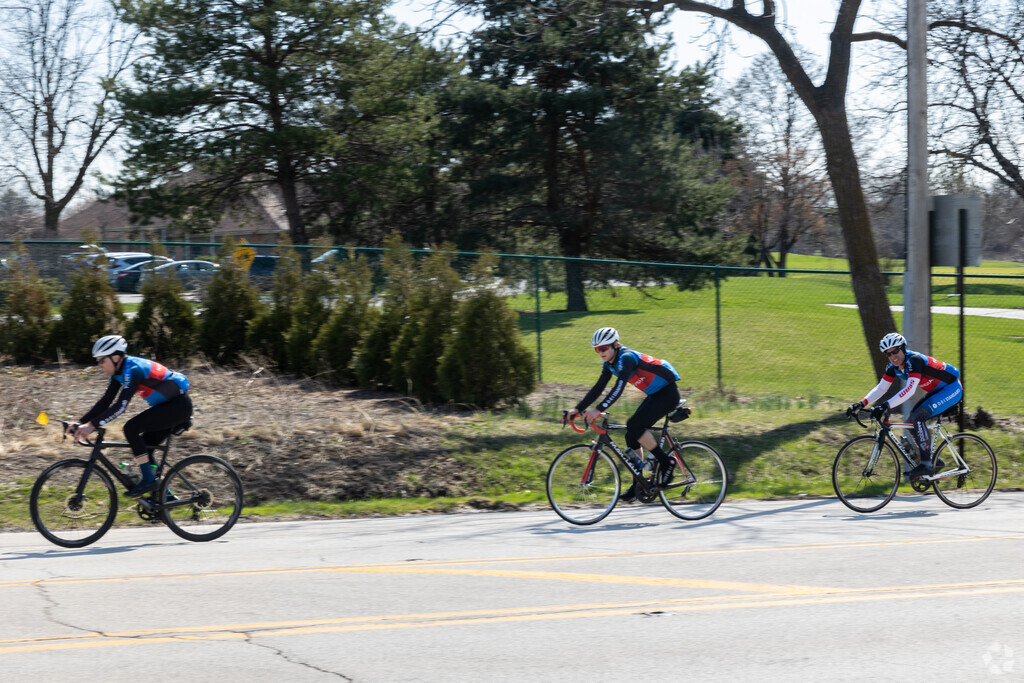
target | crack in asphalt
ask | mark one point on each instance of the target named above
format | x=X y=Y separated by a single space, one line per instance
x=283 y=655
x=52 y=604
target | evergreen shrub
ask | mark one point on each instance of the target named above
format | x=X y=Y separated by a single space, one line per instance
x=415 y=354
x=485 y=364
x=25 y=323
x=90 y=310
x=267 y=331
x=373 y=362
x=336 y=343
x=231 y=301
x=165 y=327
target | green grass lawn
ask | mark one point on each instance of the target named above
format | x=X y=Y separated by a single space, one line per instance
x=778 y=336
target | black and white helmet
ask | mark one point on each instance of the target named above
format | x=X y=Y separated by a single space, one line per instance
x=111 y=344
x=605 y=335
x=892 y=340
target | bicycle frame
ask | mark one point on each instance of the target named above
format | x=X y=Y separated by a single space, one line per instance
x=883 y=432
x=648 y=488
x=97 y=458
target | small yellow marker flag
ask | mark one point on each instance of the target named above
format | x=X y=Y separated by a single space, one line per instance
x=43 y=419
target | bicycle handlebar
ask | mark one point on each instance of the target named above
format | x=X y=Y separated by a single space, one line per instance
x=571 y=421
x=91 y=444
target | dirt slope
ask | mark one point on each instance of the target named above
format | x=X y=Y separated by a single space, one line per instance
x=287 y=438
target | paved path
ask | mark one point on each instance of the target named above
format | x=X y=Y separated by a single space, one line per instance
x=1014 y=313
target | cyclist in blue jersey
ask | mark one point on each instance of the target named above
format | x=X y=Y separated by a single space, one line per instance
x=164 y=390
x=656 y=378
x=940 y=380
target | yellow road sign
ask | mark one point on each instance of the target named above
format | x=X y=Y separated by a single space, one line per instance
x=244 y=255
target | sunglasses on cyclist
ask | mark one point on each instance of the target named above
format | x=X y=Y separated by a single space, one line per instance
x=892 y=352
x=602 y=348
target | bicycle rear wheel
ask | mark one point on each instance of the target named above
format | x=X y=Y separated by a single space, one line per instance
x=582 y=485
x=861 y=487
x=699 y=481
x=202 y=497
x=970 y=489
x=65 y=517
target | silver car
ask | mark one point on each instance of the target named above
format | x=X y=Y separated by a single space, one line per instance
x=194 y=275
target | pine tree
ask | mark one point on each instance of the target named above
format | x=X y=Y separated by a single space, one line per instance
x=575 y=136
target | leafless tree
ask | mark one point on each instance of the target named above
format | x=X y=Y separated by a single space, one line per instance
x=59 y=62
x=826 y=102
x=976 y=76
x=782 y=156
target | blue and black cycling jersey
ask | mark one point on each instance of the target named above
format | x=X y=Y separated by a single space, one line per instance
x=646 y=373
x=149 y=379
x=918 y=371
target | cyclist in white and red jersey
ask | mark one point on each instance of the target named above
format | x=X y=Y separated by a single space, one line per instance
x=940 y=380
x=656 y=378
x=164 y=390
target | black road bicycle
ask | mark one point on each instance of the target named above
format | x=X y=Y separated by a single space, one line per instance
x=74 y=501
x=583 y=482
x=867 y=471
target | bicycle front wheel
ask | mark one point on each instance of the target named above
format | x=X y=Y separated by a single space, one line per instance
x=583 y=485
x=864 y=486
x=971 y=488
x=66 y=517
x=202 y=498
x=699 y=481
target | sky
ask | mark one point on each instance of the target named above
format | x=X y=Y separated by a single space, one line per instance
x=807 y=21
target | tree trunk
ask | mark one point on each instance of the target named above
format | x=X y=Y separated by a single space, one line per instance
x=292 y=210
x=576 y=298
x=865 y=276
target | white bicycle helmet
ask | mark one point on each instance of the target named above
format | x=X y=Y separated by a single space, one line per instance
x=111 y=344
x=892 y=340
x=605 y=335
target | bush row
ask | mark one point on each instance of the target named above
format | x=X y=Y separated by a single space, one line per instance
x=424 y=332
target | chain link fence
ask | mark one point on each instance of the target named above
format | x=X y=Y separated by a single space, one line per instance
x=739 y=333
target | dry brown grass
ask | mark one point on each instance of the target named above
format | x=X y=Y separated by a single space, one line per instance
x=287 y=438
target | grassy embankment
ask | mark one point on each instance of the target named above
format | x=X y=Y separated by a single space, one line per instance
x=790 y=364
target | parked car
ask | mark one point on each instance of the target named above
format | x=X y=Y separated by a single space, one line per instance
x=261 y=272
x=116 y=263
x=127 y=279
x=328 y=258
x=194 y=275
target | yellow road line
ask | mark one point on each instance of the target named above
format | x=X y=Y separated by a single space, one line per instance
x=594 y=578
x=477 y=617
x=507 y=560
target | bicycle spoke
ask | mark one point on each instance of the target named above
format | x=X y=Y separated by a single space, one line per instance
x=582 y=486
x=864 y=486
x=202 y=498
x=963 y=486
x=699 y=481
x=63 y=516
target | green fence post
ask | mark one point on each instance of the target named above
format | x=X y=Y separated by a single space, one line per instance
x=718 y=327
x=536 y=298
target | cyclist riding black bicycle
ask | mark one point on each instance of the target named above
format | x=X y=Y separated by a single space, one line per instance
x=940 y=380
x=656 y=378
x=164 y=390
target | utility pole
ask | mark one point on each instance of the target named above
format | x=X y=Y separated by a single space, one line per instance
x=917 y=271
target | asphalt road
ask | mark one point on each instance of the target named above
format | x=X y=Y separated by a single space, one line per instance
x=796 y=590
